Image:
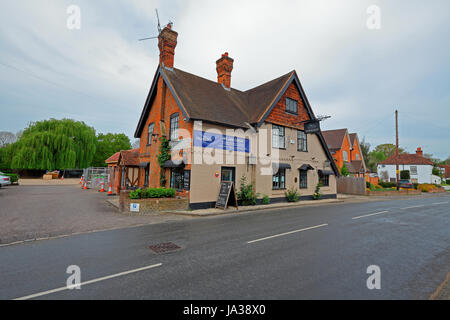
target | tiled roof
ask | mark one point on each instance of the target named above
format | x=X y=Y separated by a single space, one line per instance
x=114 y=158
x=405 y=158
x=207 y=100
x=334 y=138
x=352 y=137
x=129 y=157
x=355 y=166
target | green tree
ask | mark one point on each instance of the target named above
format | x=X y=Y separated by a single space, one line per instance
x=388 y=149
x=6 y=155
x=344 y=170
x=54 y=144
x=375 y=157
x=107 y=145
x=365 y=150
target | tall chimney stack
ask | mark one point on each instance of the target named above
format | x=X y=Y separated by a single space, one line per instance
x=224 y=68
x=419 y=152
x=167 y=41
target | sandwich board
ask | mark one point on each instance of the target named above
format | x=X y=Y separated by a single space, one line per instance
x=227 y=194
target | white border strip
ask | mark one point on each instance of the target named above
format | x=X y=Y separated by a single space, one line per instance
x=40 y=294
x=286 y=233
x=369 y=215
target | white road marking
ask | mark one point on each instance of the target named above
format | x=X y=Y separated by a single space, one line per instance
x=413 y=207
x=287 y=233
x=368 y=215
x=440 y=202
x=88 y=282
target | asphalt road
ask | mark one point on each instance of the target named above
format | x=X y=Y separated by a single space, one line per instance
x=318 y=252
x=33 y=212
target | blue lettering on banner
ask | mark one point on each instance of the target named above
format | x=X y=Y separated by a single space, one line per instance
x=220 y=141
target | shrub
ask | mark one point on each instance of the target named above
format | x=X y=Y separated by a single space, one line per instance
x=292 y=195
x=448 y=181
x=415 y=184
x=134 y=195
x=387 y=184
x=344 y=170
x=246 y=193
x=265 y=199
x=317 y=195
x=426 y=187
x=368 y=185
x=152 y=193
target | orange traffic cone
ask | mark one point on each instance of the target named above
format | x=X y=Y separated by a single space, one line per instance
x=81 y=180
x=85 y=186
x=103 y=188
x=110 y=193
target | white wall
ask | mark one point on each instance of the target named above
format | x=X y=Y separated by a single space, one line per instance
x=424 y=172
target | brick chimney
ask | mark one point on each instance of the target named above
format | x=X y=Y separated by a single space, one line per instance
x=224 y=68
x=419 y=152
x=167 y=41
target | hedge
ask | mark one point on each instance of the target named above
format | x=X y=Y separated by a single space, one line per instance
x=387 y=184
x=152 y=193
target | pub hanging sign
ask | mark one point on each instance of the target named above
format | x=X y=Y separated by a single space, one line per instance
x=312 y=126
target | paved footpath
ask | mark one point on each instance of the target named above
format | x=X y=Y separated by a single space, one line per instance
x=317 y=252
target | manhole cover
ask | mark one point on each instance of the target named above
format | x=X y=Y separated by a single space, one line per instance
x=164 y=247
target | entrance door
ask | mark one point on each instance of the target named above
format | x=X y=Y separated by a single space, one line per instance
x=228 y=174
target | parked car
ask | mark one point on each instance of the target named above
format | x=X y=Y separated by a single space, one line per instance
x=4 y=181
x=403 y=183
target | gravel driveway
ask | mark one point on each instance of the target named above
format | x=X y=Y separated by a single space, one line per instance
x=33 y=212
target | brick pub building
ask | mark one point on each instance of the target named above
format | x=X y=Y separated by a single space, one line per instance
x=198 y=117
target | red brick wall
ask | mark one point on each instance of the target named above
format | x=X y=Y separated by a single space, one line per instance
x=356 y=150
x=149 y=153
x=339 y=155
x=281 y=117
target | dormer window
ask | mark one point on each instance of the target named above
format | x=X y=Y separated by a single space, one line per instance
x=291 y=106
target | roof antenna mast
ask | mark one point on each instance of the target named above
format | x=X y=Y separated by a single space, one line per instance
x=159 y=28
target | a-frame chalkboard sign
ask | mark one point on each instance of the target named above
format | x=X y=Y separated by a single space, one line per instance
x=227 y=195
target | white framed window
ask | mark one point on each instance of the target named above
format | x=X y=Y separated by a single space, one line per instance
x=345 y=156
x=278 y=137
x=413 y=170
x=302 y=141
x=174 y=123
x=151 y=128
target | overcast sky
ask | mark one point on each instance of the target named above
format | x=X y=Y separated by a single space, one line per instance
x=101 y=74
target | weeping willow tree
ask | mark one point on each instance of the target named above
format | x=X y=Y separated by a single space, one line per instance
x=55 y=144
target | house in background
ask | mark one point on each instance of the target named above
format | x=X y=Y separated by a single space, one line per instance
x=445 y=170
x=345 y=148
x=419 y=167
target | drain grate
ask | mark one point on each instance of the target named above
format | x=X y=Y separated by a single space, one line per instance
x=164 y=247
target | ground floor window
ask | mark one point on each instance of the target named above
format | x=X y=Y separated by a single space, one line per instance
x=279 y=180
x=324 y=179
x=303 y=179
x=177 y=179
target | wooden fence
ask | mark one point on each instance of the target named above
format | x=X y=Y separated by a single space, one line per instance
x=351 y=185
